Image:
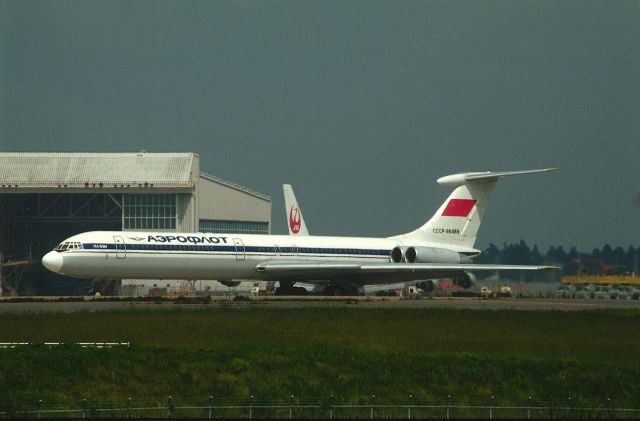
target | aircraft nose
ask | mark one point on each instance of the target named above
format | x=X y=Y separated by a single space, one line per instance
x=52 y=261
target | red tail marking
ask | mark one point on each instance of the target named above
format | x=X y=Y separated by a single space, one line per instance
x=459 y=207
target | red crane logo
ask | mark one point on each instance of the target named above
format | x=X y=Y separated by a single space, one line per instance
x=294 y=219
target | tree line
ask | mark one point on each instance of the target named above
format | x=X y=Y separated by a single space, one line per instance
x=600 y=261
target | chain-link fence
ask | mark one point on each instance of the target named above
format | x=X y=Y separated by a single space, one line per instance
x=327 y=408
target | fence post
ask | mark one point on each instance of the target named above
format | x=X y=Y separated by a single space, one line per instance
x=84 y=408
x=371 y=405
x=290 y=409
x=491 y=408
x=210 y=405
x=38 y=408
x=409 y=407
x=448 y=405
x=251 y=407
x=129 y=407
x=331 y=408
x=529 y=408
x=569 y=408
x=169 y=407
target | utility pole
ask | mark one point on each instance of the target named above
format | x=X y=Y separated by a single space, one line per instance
x=2 y=272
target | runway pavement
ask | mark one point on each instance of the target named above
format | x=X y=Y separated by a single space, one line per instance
x=7 y=306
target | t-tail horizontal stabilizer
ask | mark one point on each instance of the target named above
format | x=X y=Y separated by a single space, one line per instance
x=458 y=219
x=469 y=177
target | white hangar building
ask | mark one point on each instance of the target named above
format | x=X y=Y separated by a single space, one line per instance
x=47 y=197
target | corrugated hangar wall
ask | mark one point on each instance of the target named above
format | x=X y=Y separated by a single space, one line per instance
x=47 y=197
x=224 y=206
x=187 y=218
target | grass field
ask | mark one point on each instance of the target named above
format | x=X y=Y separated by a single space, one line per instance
x=348 y=352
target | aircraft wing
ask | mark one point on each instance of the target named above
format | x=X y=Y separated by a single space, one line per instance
x=377 y=272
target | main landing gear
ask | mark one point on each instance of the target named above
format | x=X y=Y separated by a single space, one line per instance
x=337 y=291
x=287 y=288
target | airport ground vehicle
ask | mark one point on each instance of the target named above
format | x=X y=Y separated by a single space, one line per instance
x=485 y=292
x=506 y=291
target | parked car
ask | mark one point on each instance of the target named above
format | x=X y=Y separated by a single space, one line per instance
x=564 y=291
x=582 y=291
x=600 y=292
x=625 y=292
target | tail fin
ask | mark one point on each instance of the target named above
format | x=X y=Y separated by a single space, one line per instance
x=294 y=214
x=458 y=219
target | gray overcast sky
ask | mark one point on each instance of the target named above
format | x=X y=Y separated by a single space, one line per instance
x=361 y=105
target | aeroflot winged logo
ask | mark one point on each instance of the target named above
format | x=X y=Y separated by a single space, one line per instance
x=294 y=219
x=459 y=207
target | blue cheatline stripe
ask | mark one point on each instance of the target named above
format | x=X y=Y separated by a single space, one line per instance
x=227 y=248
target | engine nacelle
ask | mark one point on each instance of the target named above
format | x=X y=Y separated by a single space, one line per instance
x=465 y=281
x=397 y=254
x=433 y=255
x=426 y=286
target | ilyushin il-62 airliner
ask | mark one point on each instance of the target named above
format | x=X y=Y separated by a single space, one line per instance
x=441 y=248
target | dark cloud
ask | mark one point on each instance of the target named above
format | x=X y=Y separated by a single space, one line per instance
x=361 y=105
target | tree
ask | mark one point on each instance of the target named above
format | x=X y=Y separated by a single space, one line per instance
x=536 y=258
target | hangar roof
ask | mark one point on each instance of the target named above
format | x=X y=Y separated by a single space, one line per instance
x=231 y=184
x=29 y=170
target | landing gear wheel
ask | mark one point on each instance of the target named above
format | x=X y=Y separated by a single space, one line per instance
x=331 y=291
x=298 y=291
x=285 y=288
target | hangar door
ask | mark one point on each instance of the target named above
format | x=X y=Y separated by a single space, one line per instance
x=31 y=224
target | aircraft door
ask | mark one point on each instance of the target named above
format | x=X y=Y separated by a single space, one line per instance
x=239 y=248
x=121 y=247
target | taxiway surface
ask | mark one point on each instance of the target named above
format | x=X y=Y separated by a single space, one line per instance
x=7 y=306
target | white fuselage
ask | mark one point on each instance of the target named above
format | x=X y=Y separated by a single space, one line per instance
x=163 y=255
x=442 y=247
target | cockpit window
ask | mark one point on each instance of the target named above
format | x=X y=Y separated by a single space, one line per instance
x=68 y=245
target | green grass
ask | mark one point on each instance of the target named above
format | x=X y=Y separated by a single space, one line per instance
x=601 y=336
x=347 y=352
